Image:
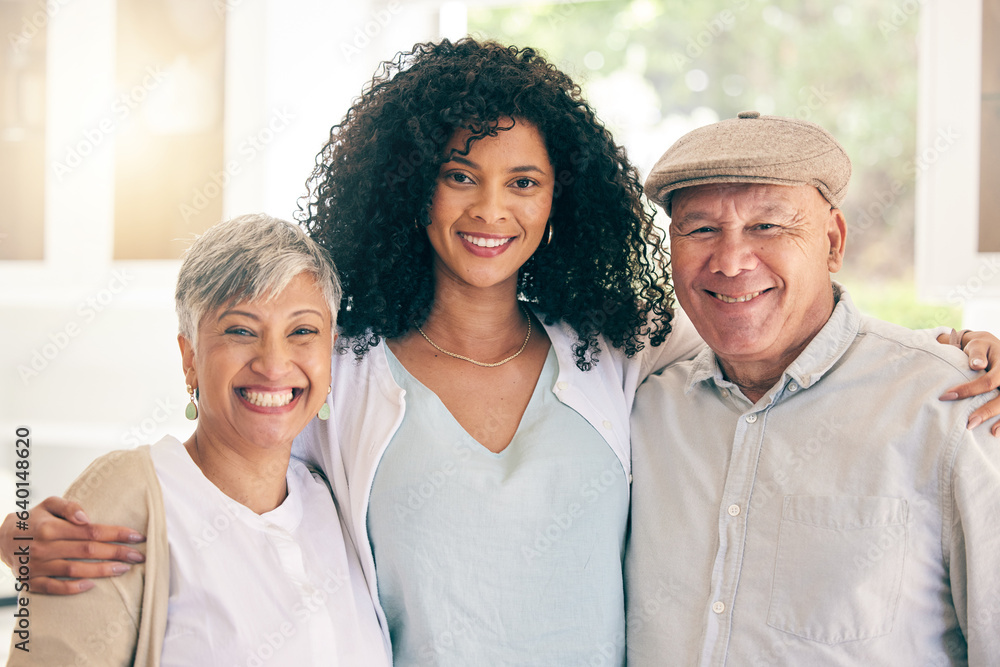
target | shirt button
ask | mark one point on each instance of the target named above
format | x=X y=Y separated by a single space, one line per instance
x=734 y=510
x=561 y=385
x=718 y=607
x=751 y=419
x=724 y=392
x=630 y=478
x=792 y=386
x=606 y=423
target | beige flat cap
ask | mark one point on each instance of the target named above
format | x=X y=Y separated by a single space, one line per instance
x=753 y=149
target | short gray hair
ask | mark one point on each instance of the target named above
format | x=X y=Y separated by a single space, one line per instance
x=244 y=259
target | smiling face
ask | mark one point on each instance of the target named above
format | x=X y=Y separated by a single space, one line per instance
x=490 y=207
x=262 y=368
x=751 y=266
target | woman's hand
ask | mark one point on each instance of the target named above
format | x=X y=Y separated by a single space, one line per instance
x=984 y=354
x=61 y=535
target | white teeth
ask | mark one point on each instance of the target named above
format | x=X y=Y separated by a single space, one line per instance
x=739 y=299
x=268 y=399
x=485 y=242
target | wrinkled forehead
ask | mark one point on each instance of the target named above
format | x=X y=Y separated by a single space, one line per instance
x=717 y=200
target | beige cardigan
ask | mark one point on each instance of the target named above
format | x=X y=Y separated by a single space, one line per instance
x=122 y=620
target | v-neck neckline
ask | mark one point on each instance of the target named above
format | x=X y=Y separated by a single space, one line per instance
x=550 y=358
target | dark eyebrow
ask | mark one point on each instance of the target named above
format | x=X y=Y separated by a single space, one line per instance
x=519 y=169
x=527 y=167
x=461 y=160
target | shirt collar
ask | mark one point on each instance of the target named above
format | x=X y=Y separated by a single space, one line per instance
x=822 y=352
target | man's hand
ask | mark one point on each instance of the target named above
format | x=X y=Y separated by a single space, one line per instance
x=62 y=535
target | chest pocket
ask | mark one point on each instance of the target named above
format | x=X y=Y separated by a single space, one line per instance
x=838 y=567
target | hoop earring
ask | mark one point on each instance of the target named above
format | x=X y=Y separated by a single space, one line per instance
x=191 y=411
x=548 y=241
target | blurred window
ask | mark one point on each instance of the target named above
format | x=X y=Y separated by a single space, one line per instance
x=22 y=129
x=169 y=174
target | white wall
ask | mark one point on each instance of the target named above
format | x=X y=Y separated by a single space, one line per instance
x=948 y=265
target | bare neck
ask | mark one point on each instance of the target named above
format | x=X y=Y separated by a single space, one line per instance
x=253 y=477
x=755 y=377
x=476 y=322
x=753 y=380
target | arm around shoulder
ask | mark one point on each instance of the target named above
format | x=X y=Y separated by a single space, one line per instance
x=123 y=619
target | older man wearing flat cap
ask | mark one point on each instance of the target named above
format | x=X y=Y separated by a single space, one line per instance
x=799 y=495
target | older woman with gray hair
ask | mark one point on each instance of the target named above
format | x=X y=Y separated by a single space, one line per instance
x=246 y=561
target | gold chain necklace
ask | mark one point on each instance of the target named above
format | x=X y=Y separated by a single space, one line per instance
x=480 y=363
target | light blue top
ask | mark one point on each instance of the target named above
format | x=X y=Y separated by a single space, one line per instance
x=494 y=559
x=848 y=517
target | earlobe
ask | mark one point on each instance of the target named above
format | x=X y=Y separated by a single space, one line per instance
x=187 y=360
x=837 y=234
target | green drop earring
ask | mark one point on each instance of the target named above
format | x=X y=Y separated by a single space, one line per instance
x=191 y=411
x=324 y=412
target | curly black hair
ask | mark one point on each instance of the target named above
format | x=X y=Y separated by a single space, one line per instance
x=605 y=271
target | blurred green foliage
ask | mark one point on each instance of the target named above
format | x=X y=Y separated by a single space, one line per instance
x=896 y=301
x=849 y=66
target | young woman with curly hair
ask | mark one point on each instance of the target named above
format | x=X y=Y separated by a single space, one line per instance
x=505 y=293
x=603 y=272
